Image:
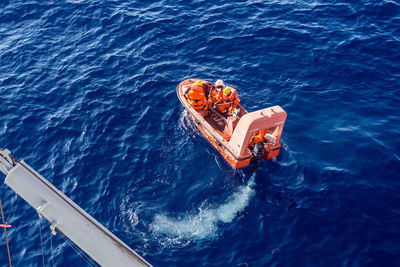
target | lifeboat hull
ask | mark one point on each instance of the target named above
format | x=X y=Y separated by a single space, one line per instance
x=236 y=163
x=219 y=129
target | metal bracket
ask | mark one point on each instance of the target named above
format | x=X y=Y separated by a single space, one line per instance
x=40 y=209
x=6 y=161
x=53 y=228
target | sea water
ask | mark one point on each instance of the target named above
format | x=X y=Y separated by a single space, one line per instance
x=87 y=98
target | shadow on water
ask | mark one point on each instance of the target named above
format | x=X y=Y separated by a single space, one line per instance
x=278 y=180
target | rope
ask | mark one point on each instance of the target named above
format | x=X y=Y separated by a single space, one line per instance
x=51 y=248
x=77 y=249
x=12 y=206
x=41 y=240
x=5 y=233
x=86 y=258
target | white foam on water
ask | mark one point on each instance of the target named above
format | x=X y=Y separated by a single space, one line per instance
x=129 y=213
x=204 y=224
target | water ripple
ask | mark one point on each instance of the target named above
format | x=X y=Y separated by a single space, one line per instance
x=87 y=91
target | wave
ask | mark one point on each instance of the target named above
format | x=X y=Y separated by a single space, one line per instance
x=204 y=224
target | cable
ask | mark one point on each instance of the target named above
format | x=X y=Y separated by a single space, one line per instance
x=86 y=258
x=5 y=233
x=41 y=241
x=77 y=249
x=51 y=247
x=12 y=206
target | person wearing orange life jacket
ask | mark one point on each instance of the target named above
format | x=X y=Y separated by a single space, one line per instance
x=219 y=86
x=227 y=100
x=196 y=97
x=215 y=92
x=256 y=145
x=258 y=137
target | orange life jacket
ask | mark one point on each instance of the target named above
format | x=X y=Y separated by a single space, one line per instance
x=230 y=97
x=197 y=98
x=259 y=137
x=227 y=102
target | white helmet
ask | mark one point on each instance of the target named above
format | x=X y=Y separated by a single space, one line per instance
x=219 y=82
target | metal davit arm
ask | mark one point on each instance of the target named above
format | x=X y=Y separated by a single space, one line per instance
x=65 y=215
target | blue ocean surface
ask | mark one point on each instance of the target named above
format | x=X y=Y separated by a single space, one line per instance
x=87 y=98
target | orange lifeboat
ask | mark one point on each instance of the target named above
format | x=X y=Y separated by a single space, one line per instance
x=241 y=137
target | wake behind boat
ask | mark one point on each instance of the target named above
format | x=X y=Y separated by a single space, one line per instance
x=239 y=136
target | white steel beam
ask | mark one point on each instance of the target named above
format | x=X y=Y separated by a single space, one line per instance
x=65 y=215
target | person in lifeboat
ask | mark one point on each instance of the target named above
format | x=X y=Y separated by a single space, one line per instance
x=258 y=137
x=225 y=98
x=263 y=137
x=196 y=97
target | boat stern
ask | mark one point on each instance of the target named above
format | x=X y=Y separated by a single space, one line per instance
x=272 y=120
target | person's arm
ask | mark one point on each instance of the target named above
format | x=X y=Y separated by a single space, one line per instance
x=237 y=101
x=235 y=104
